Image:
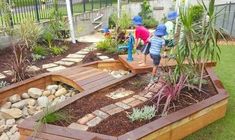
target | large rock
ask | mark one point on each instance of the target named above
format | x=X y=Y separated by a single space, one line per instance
x=14 y=98
x=4 y=137
x=43 y=101
x=25 y=96
x=12 y=113
x=60 y=92
x=7 y=105
x=52 y=87
x=46 y=93
x=30 y=101
x=34 y=92
x=19 y=104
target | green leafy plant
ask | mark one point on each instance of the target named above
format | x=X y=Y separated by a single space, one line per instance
x=108 y=45
x=150 y=23
x=3 y=84
x=36 y=57
x=28 y=32
x=48 y=37
x=6 y=17
x=145 y=113
x=58 y=50
x=198 y=12
x=40 y=50
x=146 y=11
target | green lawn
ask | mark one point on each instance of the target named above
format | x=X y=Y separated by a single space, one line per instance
x=223 y=129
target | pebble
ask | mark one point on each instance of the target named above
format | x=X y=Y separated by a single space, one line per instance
x=46 y=93
x=35 y=92
x=10 y=122
x=7 y=105
x=43 y=101
x=14 y=98
x=60 y=92
x=25 y=96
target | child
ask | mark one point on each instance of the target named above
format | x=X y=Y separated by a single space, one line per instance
x=157 y=43
x=172 y=15
x=141 y=34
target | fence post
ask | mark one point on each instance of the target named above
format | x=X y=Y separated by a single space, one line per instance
x=92 y=5
x=232 y=23
x=36 y=12
x=224 y=15
x=71 y=5
x=229 y=9
x=70 y=19
x=100 y=4
x=11 y=20
x=84 y=6
x=106 y=3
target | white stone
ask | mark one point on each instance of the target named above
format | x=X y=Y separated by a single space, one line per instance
x=30 y=101
x=46 y=93
x=65 y=63
x=103 y=57
x=19 y=104
x=62 y=98
x=110 y=59
x=50 y=65
x=15 y=136
x=2 y=76
x=32 y=110
x=75 y=56
x=25 y=112
x=52 y=87
x=11 y=113
x=35 y=92
x=25 y=96
x=8 y=72
x=72 y=59
x=10 y=122
x=98 y=54
x=4 y=137
x=14 y=98
x=7 y=105
x=43 y=101
x=60 y=92
x=82 y=52
x=13 y=129
x=78 y=126
x=56 y=68
x=32 y=69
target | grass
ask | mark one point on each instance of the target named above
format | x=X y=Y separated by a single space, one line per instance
x=223 y=129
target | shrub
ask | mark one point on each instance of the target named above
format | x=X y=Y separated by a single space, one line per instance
x=58 y=50
x=197 y=12
x=36 y=57
x=145 y=10
x=108 y=45
x=145 y=113
x=40 y=50
x=124 y=22
x=29 y=32
x=150 y=23
x=48 y=36
x=3 y=84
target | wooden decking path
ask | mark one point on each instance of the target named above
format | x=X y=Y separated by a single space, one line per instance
x=83 y=78
x=135 y=68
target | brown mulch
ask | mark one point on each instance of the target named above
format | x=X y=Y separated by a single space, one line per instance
x=119 y=123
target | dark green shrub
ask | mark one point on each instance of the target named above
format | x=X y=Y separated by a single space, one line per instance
x=146 y=11
x=150 y=23
x=197 y=12
x=40 y=50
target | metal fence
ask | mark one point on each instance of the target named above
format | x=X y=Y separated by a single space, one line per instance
x=41 y=10
x=226 y=17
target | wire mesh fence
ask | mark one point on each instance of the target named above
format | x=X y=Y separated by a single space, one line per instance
x=40 y=10
x=226 y=17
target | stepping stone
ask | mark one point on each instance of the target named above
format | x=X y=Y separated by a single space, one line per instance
x=82 y=52
x=65 y=63
x=110 y=59
x=149 y=95
x=50 y=65
x=75 y=56
x=86 y=118
x=8 y=72
x=119 y=93
x=94 y=121
x=128 y=100
x=56 y=68
x=135 y=103
x=103 y=57
x=2 y=76
x=72 y=59
x=98 y=54
x=140 y=98
x=115 y=110
x=108 y=107
x=32 y=69
x=101 y=114
x=122 y=105
x=78 y=126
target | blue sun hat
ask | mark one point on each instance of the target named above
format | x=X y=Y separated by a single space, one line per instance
x=160 y=30
x=105 y=30
x=172 y=15
x=137 y=20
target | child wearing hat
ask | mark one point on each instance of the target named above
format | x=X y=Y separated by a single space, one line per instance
x=157 y=43
x=171 y=17
x=141 y=34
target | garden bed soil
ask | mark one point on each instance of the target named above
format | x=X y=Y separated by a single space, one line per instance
x=7 y=53
x=119 y=123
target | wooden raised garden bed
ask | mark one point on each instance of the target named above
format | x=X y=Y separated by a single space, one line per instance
x=176 y=125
